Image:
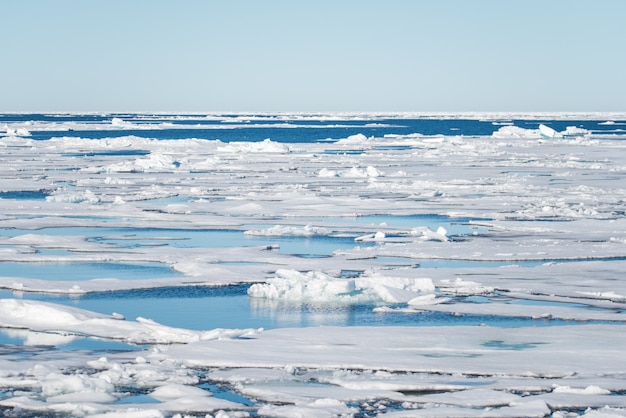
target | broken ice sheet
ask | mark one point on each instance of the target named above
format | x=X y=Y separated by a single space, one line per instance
x=542 y=236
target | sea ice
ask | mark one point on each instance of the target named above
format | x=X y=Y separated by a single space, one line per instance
x=542 y=236
x=49 y=317
x=319 y=287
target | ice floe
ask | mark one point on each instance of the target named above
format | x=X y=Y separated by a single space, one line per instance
x=544 y=131
x=47 y=317
x=319 y=287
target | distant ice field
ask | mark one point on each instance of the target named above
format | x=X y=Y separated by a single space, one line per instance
x=322 y=265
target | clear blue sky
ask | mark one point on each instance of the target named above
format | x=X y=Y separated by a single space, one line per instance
x=317 y=55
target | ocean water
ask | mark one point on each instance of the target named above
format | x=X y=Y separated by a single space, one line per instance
x=231 y=127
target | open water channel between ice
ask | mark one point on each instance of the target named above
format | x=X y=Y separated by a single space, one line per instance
x=230 y=307
x=201 y=307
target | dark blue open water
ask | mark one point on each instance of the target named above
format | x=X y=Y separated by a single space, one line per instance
x=285 y=130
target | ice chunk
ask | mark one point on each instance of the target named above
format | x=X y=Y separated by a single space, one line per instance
x=547 y=132
x=175 y=391
x=19 y=131
x=506 y=132
x=373 y=172
x=424 y=300
x=325 y=172
x=87 y=197
x=352 y=173
x=377 y=236
x=318 y=287
x=428 y=234
x=574 y=131
x=118 y=123
x=356 y=172
x=353 y=139
x=295 y=286
x=59 y=384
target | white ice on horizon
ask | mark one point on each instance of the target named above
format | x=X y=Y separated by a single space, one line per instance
x=556 y=203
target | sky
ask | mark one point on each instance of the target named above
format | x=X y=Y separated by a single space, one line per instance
x=322 y=55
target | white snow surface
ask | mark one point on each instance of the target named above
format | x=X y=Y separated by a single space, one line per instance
x=546 y=240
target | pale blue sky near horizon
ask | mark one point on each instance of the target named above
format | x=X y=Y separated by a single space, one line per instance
x=322 y=55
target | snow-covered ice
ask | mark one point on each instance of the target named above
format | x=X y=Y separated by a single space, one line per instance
x=535 y=228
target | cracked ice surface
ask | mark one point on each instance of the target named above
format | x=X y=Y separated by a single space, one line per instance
x=542 y=236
